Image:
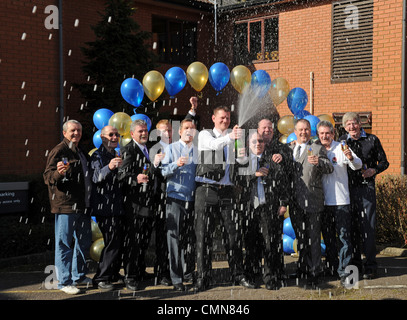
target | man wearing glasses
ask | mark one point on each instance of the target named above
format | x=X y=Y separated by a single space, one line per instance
x=268 y=195
x=107 y=207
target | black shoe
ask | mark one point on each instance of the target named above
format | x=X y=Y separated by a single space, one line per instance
x=105 y=286
x=131 y=285
x=246 y=283
x=312 y=282
x=189 y=277
x=179 y=287
x=369 y=274
x=273 y=285
x=164 y=281
x=201 y=285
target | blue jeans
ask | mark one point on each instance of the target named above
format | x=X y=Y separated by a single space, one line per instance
x=337 y=220
x=73 y=237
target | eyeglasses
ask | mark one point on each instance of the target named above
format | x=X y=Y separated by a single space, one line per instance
x=111 y=134
x=255 y=141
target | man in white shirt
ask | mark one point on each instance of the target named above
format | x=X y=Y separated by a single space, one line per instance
x=214 y=198
x=337 y=218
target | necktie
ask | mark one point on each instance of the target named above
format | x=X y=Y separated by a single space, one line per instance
x=146 y=153
x=298 y=153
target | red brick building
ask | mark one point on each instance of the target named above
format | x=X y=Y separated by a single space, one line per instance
x=347 y=55
x=303 y=42
x=30 y=82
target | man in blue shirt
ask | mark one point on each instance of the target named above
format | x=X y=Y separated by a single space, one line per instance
x=178 y=166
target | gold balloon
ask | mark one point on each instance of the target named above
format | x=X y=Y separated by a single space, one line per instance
x=279 y=90
x=240 y=77
x=96 y=249
x=286 y=125
x=287 y=213
x=153 y=84
x=327 y=117
x=92 y=151
x=96 y=233
x=125 y=139
x=283 y=139
x=197 y=75
x=295 y=245
x=121 y=121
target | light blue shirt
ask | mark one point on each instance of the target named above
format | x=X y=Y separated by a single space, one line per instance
x=180 y=180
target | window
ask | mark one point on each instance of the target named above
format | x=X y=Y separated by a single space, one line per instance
x=352 y=40
x=175 y=40
x=365 y=119
x=256 y=40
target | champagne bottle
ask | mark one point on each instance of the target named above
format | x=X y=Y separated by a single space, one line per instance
x=240 y=149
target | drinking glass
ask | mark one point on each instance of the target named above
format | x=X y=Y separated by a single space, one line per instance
x=364 y=168
x=66 y=164
x=265 y=165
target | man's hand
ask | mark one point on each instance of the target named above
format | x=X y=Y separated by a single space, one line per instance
x=142 y=178
x=236 y=133
x=194 y=103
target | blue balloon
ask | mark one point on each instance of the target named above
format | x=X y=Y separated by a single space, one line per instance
x=292 y=137
x=97 y=140
x=301 y=114
x=139 y=116
x=219 y=75
x=288 y=244
x=297 y=99
x=288 y=228
x=175 y=80
x=261 y=81
x=101 y=117
x=132 y=91
x=313 y=120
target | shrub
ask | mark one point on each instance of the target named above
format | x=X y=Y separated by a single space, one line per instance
x=391 y=198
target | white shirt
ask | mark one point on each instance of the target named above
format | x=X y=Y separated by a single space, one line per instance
x=335 y=185
x=303 y=147
x=221 y=140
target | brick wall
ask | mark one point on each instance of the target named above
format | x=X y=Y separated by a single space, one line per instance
x=29 y=74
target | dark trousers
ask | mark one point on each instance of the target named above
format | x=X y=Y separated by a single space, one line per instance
x=363 y=212
x=212 y=203
x=138 y=233
x=161 y=266
x=180 y=238
x=263 y=237
x=307 y=228
x=110 y=262
x=336 y=221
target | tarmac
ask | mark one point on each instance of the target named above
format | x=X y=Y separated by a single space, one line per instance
x=34 y=281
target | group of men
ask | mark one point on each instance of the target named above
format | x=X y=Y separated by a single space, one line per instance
x=184 y=189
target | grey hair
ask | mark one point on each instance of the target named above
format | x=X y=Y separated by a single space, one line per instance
x=327 y=124
x=350 y=116
x=136 y=123
x=65 y=126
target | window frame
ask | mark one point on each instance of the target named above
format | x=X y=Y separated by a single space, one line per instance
x=182 y=59
x=262 y=20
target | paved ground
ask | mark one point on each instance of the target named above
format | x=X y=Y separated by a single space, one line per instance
x=391 y=283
